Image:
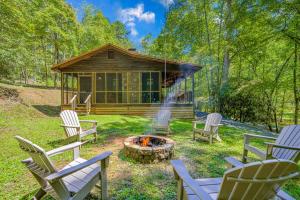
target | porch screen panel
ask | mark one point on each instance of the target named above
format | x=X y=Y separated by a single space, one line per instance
x=111 y=87
x=146 y=87
x=69 y=86
x=122 y=87
x=155 y=91
x=127 y=87
x=150 y=87
x=100 y=88
x=85 y=82
x=134 y=87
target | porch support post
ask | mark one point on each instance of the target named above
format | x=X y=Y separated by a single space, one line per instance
x=61 y=90
x=199 y=83
x=185 y=94
x=193 y=92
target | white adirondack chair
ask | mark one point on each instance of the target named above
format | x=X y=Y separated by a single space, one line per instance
x=73 y=128
x=161 y=122
x=286 y=146
x=211 y=128
x=74 y=181
x=258 y=180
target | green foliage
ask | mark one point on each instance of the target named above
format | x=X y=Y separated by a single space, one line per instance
x=240 y=44
x=34 y=35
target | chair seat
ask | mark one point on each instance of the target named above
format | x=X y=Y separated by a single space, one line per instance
x=76 y=181
x=209 y=185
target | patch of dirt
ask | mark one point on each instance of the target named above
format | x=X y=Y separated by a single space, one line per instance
x=119 y=169
x=9 y=94
x=29 y=95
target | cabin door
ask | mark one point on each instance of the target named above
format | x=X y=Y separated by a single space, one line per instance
x=85 y=88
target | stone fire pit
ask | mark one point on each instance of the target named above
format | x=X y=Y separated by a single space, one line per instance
x=149 y=148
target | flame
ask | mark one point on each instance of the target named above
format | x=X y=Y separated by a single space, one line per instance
x=145 y=141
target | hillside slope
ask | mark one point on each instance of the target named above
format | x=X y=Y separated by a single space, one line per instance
x=44 y=101
x=33 y=96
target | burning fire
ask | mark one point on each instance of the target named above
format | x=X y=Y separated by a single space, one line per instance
x=145 y=141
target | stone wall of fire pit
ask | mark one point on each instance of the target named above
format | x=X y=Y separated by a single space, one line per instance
x=161 y=149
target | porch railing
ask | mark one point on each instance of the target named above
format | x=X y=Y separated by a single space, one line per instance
x=73 y=102
x=88 y=104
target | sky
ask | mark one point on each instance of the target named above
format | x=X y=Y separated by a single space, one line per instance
x=140 y=16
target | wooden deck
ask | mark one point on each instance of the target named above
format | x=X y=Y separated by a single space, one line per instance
x=178 y=111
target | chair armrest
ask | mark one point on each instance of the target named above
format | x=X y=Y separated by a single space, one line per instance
x=233 y=162
x=272 y=145
x=283 y=195
x=69 y=126
x=88 y=121
x=65 y=172
x=215 y=125
x=183 y=174
x=246 y=135
x=197 y=122
x=64 y=148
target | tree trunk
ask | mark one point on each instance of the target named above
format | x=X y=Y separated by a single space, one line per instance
x=211 y=81
x=226 y=66
x=56 y=58
x=45 y=62
x=275 y=120
x=282 y=106
x=296 y=92
x=226 y=62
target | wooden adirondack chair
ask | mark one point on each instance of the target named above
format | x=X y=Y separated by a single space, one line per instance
x=286 y=146
x=258 y=180
x=210 y=130
x=161 y=123
x=74 y=181
x=73 y=128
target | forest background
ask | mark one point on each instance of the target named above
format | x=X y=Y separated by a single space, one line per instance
x=249 y=50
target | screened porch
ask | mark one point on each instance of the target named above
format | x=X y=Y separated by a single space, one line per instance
x=125 y=88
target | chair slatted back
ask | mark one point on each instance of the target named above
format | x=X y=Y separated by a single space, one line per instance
x=212 y=118
x=162 y=118
x=70 y=118
x=258 y=180
x=41 y=166
x=289 y=136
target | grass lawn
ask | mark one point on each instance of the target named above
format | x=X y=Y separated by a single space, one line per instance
x=127 y=179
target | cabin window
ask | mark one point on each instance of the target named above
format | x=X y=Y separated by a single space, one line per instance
x=110 y=54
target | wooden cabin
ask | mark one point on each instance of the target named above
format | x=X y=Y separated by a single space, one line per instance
x=113 y=80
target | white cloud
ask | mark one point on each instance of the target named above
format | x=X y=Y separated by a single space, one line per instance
x=166 y=3
x=129 y=16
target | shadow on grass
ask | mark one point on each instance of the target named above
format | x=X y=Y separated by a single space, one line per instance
x=51 y=111
x=61 y=142
x=30 y=196
x=146 y=183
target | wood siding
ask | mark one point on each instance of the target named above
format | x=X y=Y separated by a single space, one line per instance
x=121 y=62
